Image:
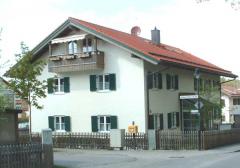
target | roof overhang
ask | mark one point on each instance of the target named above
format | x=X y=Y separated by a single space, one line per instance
x=72 y=23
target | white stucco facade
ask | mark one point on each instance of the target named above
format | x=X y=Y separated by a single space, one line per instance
x=127 y=102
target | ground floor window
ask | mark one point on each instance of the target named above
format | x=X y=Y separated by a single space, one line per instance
x=103 y=123
x=158 y=121
x=173 y=120
x=59 y=123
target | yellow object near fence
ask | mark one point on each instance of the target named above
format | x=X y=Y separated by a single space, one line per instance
x=133 y=129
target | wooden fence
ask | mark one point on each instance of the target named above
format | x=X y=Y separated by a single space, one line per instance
x=177 y=140
x=212 y=139
x=21 y=156
x=81 y=140
x=136 y=141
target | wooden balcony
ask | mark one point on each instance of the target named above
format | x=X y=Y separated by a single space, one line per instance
x=76 y=62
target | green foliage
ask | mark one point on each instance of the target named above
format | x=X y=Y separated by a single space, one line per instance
x=24 y=77
x=235 y=4
x=3 y=103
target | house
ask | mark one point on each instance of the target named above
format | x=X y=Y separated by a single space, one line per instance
x=231 y=109
x=8 y=114
x=100 y=78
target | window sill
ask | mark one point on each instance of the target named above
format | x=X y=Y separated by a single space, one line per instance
x=59 y=93
x=103 y=91
x=59 y=131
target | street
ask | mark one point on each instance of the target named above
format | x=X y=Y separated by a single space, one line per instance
x=225 y=157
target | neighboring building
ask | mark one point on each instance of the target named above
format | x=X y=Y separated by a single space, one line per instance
x=100 y=78
x=8 y=115
x=231 y=110
x=13 y=100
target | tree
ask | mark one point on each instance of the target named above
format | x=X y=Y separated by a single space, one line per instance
x=24 y=79
x=235 y=4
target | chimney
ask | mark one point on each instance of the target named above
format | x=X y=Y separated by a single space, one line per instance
x=135 y=31
x=155 y=36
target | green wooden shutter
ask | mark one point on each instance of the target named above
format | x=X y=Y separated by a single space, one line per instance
x=177 y=119
x=169 y=120
x=113 y=120
x=112 y=81
x=159 y=81
x=161 y=121
x=67 y=123
x=51 y=123
x=150 y=80
x=94 y=121
x=66 y=85
x=150 y=122
x=176 y=82
x=50 y=85
x=93 y=84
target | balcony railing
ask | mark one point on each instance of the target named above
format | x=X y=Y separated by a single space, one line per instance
x=76 y=62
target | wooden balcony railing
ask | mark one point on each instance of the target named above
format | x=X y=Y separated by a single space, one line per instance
x=76 y=62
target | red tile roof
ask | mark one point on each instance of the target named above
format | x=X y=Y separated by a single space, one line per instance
x=160 y=52
x=232 y=91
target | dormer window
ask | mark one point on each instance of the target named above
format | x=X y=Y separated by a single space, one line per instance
x=72 y=47
x=87 y=45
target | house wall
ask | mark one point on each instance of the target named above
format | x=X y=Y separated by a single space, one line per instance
x=166 y=101
x=127 y=102
x=226 y=111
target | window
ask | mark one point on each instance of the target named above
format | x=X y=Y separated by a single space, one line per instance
x=236 y=101
x=172 y=82
x=158 y=121
x=72 y=47
x=59 y=123
x=87 y=45
x=154 y=80
x=103 y=123
x=58 y=85
x=102 y=82
x=173 y=120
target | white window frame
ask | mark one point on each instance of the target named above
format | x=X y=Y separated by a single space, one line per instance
x=72 y=47
x=62 y=126
x=174 y=120
x=103 y=86
x=106 y=126
x=57 y=88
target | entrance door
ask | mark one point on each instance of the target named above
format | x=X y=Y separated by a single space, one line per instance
x=189 y=114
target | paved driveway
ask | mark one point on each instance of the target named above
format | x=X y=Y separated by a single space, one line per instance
x=226 y=157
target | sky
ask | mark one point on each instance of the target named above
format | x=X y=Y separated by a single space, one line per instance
x=209 y=30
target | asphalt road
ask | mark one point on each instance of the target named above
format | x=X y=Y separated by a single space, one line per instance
x=226 y=157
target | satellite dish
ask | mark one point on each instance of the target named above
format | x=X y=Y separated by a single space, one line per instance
x=136 y=31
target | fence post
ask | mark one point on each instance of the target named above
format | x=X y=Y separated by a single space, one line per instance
x=151 y=139
x=47 y=146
